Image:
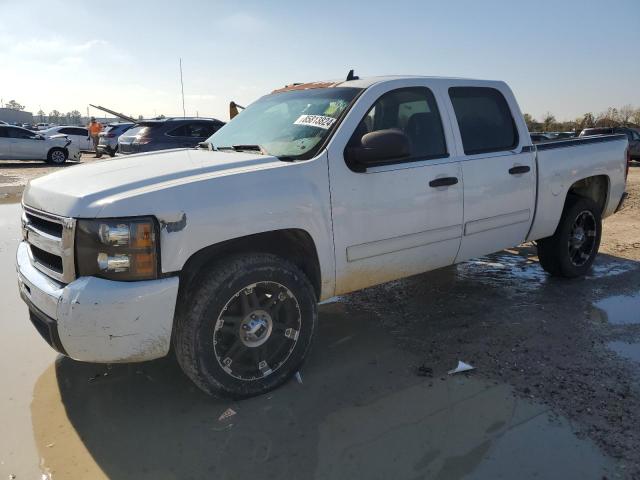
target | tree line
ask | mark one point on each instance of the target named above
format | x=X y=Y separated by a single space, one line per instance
x=625 y=116
x=74 y=117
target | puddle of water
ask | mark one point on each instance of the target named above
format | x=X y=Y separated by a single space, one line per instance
x=619 y=309
x=626 y=350
x=503 y=266
x=511 y=266
x=610 y=269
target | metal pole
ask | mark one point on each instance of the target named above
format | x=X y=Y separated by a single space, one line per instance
x=184 y=114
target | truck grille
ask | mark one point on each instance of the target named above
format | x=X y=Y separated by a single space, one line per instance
x=50 y=238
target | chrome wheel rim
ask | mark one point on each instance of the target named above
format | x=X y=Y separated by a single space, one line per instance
x=257 y=330
x=582 y=238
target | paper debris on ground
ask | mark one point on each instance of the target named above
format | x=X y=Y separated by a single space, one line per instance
x=299 y=378
x=229 y=412
x=462 y=367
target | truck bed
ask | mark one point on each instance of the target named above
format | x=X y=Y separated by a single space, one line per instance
x=562 y=163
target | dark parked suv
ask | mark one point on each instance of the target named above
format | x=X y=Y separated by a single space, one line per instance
x=632 y=134
x=161 y=134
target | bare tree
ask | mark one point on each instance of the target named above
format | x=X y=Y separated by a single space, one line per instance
x=548 y=122
x=54 y=116
x=75 y=117
x=13 y=105
x=625 y=113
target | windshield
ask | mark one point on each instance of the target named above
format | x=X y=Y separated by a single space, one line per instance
x=290 y=124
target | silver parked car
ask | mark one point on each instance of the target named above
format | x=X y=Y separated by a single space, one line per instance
x=108 y=139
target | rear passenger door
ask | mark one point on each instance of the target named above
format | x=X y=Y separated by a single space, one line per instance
x=498 y=168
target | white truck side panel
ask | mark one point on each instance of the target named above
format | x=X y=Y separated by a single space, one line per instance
x=212 y=210
x=560 y=168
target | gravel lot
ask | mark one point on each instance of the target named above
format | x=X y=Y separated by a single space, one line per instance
x=14 y=174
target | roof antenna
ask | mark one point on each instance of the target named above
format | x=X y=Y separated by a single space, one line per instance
x=351 y=76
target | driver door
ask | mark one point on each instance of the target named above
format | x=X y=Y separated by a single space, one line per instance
x=402 y=217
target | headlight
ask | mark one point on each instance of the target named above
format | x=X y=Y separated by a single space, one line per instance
x=117 y=249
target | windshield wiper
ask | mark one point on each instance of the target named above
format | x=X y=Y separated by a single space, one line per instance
x=244 y=148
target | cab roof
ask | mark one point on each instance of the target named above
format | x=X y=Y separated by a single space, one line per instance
x=359 y=82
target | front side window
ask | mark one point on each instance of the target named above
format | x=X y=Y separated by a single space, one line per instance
x=292 y=124
x=484 y=119
x=413 y=111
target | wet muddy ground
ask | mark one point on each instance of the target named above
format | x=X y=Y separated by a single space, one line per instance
x=554 y=393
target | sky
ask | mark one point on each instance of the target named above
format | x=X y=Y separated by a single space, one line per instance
x=565 y=57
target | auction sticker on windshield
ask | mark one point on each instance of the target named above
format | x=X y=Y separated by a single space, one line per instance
x=319 y=121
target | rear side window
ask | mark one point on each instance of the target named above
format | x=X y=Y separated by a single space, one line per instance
x=140 y=130
x=485 y=121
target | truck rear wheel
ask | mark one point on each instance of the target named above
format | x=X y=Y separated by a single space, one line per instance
x=247 y=327
x=572 y=249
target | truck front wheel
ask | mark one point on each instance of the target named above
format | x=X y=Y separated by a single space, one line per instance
x=247 y=327
x=571 y=250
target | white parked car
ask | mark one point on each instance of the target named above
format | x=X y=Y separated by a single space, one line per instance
x=78 y=135
x=313 y=191
x=43 y=126
x=17 y=143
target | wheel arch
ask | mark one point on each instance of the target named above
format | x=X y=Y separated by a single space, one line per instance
x=295 y=245
x=595 y=188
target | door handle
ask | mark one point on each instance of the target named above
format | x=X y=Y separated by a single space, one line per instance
x=443 y=182
x=519 y=169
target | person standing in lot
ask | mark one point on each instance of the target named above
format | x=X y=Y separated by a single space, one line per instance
x=95 y=128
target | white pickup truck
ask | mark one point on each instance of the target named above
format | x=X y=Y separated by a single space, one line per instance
x=313 y=191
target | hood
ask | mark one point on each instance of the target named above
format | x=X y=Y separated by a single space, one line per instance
x=82 y=191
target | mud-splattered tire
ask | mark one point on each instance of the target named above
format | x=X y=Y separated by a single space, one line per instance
x=57 y=156
x=572 y=249
x=247 y=326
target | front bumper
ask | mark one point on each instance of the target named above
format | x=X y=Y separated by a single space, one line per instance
x=97 y=320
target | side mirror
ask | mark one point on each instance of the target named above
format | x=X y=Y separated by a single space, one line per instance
x=378 y=148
